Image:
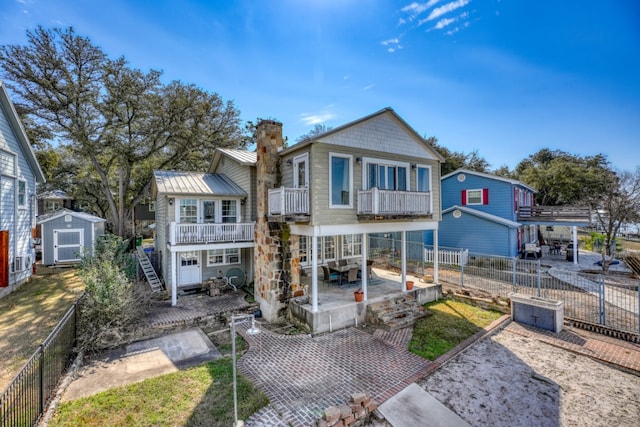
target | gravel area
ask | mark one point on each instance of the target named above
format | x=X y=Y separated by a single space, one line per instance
x=511 y=380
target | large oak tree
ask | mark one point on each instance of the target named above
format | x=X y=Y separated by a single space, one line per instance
x=112 y=124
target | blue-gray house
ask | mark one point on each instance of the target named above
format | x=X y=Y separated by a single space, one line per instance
x=480 y=213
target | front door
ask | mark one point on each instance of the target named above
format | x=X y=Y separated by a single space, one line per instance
x=189 y=268
x=67 y=245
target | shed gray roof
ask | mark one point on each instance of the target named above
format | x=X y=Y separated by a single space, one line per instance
x=196 y=183
x=241 y=156
x=62 y=212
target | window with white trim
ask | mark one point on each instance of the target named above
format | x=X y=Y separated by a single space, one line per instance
x=22 y=193
x=387 y=175
x=341 y=181
x=229 y=211
x=351 y=245
x=423 y=178
x=223 y=256
x=188 y=211
x=326 y=249
x=475 y=197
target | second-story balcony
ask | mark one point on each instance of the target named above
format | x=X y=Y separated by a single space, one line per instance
x=391 y=202
x=194 y=234
x=555 y=214
x=288 y=201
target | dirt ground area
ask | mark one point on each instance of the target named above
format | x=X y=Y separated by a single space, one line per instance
x=510 y=380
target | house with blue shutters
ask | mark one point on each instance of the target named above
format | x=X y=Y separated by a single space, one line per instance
x=480 y=213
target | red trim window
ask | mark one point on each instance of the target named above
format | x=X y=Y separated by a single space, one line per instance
x=515 y=199
x=475 y=197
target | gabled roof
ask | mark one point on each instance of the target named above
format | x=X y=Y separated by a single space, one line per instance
x=196 y=184
x=62 y=212
x=483 y=215
x=488 y=176
x=243 y=157
x=18 y=129
x=384 y=111
x=55 y=194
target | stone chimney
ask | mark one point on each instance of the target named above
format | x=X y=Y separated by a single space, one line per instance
x=267 y=256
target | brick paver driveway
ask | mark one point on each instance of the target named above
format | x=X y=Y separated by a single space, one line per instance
x=303 y=375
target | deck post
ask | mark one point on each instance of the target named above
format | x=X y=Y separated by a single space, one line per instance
x=314 y=273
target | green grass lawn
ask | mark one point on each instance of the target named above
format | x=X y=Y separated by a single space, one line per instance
x=198 y=396
x=30 y=313
x=451 y=323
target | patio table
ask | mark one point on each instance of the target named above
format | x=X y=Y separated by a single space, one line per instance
x=342 y=270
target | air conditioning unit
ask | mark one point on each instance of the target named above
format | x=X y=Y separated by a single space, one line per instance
x=539 y=312
x=19 y=263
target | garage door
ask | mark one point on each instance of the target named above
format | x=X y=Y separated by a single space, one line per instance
x=67 y=245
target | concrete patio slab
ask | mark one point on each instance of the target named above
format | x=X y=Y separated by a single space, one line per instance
x=414 y=407
x=141 y=360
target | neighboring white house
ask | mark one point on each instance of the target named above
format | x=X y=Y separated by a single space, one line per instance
x=19 y=175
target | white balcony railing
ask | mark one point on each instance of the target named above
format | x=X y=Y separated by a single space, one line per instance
x=289 y=201
x=390 y=202
x=180 y=234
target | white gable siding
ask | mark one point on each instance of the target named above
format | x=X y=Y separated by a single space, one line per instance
x=382 y=134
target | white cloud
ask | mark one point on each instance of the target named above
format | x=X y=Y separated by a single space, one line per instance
x=449 y=7
x=444 y=23
x=415 y=8
x=367 y=87
x=310 y=119
x=392 y=44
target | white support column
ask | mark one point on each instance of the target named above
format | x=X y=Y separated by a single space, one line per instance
x=364 y=276
x=574 y=230
x=174 y=279
x=436 y=257
x=403 y=245
x=314 y=272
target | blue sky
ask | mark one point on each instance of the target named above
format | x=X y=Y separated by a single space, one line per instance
x=505 y=78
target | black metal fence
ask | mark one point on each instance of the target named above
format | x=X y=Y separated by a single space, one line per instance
x=25 y=399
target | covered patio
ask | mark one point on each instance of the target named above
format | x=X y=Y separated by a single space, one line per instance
x=336 y=304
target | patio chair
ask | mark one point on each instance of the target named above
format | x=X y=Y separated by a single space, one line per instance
x=342 y=262
x=329 y=276
x=331 y=264
x=352 y=275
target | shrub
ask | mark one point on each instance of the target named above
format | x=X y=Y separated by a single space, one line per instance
x=111 y=308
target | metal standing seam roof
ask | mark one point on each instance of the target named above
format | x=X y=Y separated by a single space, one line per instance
x=196 y=183
x=241 y=156
x=81 y=215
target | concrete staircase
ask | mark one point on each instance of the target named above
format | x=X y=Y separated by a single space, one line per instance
x=149 y=272
x=395 y=313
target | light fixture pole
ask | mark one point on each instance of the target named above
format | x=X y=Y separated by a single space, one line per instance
x=253 y=330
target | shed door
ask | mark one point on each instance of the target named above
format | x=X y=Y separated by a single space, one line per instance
x=67 y=245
